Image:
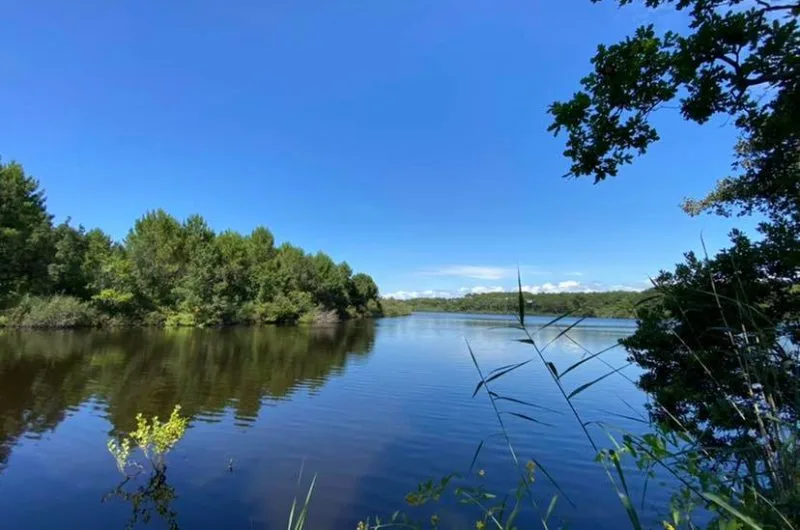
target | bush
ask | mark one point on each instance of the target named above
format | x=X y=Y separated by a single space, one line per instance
x=247 y=313
x=389 y=307
x=287 y=309
x=180 y=319
x=53 y=312
x=319 y=317
x=114 y=302
x=155 y=319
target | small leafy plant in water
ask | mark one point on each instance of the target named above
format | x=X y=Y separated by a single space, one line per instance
x=154 y=439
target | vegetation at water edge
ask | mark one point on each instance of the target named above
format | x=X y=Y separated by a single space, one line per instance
x=165 y=273
x=608 y=304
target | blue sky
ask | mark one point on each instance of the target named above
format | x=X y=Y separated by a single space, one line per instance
x=405 y=137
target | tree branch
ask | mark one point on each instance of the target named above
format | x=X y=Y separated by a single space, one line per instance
x=767 y=7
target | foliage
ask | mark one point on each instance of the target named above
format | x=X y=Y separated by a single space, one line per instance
x=54 y=312
x=737 y=59
x=25 y=235
x=153 y=438
x=66 y=270
x=720 y=342
x=704 y=320
x=166 y=272
x=610 y=304
x=389 y=307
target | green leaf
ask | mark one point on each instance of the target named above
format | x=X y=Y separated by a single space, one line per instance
x=526 y=417
x=488 y=380
x=731 y=510
x=592 y=383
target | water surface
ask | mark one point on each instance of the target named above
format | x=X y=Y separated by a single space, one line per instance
x=371 y=408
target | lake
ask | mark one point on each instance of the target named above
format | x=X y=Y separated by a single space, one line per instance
x=370 y=408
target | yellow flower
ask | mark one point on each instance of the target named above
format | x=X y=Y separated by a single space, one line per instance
x=479 y=525
x=434 y=519
x=668 y=526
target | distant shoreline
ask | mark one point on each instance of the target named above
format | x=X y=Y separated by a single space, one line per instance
x=514 y=314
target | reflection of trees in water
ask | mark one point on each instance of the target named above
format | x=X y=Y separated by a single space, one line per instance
x=151 y=498
x=44 y=374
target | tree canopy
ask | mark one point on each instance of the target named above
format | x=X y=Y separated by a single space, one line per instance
x=166 y=271
x=720 y=344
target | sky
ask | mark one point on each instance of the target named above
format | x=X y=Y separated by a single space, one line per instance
x=407 y=138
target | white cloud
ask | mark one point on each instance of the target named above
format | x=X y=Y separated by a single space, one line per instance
x=633 y=287
x=430 y=293
x=566 y=286
x=480 y=289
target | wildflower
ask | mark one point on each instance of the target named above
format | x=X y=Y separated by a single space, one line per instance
x=480 y=525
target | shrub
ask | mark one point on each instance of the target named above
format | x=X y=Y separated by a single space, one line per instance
x=53 y=312
x=155 y=319
x=114 y=302
x=288 y=308
x=180 y=319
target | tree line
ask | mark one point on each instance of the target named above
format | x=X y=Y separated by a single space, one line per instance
x=165 y=272
x=609 y=304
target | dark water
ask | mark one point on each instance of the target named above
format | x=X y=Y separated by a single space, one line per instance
x=371 y=409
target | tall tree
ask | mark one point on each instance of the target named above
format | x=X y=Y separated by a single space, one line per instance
x=66 y=270
x=362 y=290
x=261 y=251
x=155 y=247
x=99 y=248
x=722 y=324
x=25 y=235
x=197 y=288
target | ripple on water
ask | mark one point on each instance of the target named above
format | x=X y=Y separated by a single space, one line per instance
x=371 y=409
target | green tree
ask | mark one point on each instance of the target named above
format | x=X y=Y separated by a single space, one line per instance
x=738 y=59
x=330 y=282
x=362 y=290
x=261 y=251
x=25 y=235
x=197 y=289
x=155 y=247
x=66 y=270
x=234 y=272
x=720 y=345
x=98 y=251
